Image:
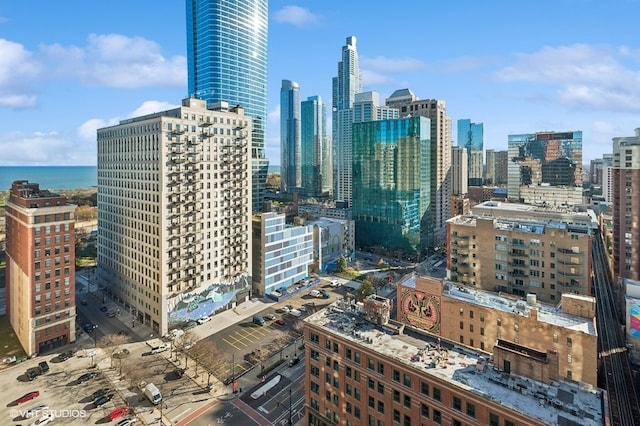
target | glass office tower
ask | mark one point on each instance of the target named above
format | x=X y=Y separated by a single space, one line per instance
x=316 y=149
x=290 y=149
x=470 y=136
x=391 y=183
x=227 y=61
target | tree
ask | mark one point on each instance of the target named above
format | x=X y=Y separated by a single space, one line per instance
x=382 y=264
x=365 y=289
x=342 y=264
x=134 y=370
x=110 y=343
x=378 y=283
x=183 y=343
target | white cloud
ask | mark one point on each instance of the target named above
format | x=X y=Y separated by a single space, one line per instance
x=586 y=76
x=297 y=16
x=18 y=70
x=392 y=65
x=114 y=60
x=149 y=107
x=273 y=116
x=42 y=148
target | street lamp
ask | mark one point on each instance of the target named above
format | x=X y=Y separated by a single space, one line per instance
x=94 y=335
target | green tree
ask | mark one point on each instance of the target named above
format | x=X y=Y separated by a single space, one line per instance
x=365 y=289
x=342 y=264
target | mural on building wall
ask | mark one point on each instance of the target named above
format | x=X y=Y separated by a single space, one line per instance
x=207 y=300
x=634 y=320
x=331 y=243
x=420 y=310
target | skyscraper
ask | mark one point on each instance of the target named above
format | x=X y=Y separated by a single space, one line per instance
x=317 y=171
x=470 y=136
x=626 y=208
x=550 y=158
x=174 y=224
x=227 y=59
x=40 y=271
x=391 y=166
x=345 y=86
x=459 y=171
x=290 y=145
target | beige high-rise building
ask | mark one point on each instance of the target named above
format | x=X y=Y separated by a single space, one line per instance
x=459 y=171
x=441 y=190
x=174 y=206
x=40 y=270
x=520 y=249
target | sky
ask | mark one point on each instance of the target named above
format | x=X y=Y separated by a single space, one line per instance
x=516 y=66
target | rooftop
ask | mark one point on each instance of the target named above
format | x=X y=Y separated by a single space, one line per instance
x=554 y=403
x=550 y=314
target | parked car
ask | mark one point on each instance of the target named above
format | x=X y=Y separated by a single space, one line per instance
x=111 y=314
x=121 y=353
x=158 y=349
x=302 y=308
x=335 y=283
x=34 y=411
x=269 y=317
x=294 y=361
x=280 y=321
x=103 y=400
x=27 y=397
x=202 y=320
x=86 y=377
x=100 y=392
x=63 y=356
x=43 y=366
x=32 y=373
x=179 y=372
x=103 y=309
x=126 y=422
x=282 y=310
x=84 y=302
x=189 y=326
x=118 y=412
x=44 y=420
x=315 y=293
x=88 y=327
x=295 y=312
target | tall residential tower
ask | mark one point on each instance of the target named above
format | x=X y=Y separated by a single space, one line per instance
x=290 y=145
x=317 y=171
x=470 y=136
x=227 y=55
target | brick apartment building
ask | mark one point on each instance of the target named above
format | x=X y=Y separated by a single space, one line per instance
x=40 y=269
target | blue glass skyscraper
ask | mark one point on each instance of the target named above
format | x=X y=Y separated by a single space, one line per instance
x=290 y=149
x=227 y=60
x=470 y=136
x=316 y=149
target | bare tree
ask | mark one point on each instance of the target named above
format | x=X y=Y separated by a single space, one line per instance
x=110 y=343
x=183 y=343
x=212 y=358
x=133 y=370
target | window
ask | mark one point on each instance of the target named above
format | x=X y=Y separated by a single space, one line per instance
x=494 y=419
x=314 y=387
x=327 y=344
x=471 y=328
x=396 y=375
x=396 y=416
x=509 y=423
x=381 y=387
x=569 y=358
x=327 y=377
x=482 y=331
x=407 y=380
x=372 y=402
x=461 y=325
x=437 y=417
x=356 y=412
x=407 y=420
x=380 y=407
x=348 y=389
x=347 y=354
x=499 y=322
x=336 y=365
x=347 y=372
x=336 y=348
x=315 y=371
x=457 y=403
x=356 y=394
x=314 y=338
x=424 y=388
x=407 y=401
x=471 y=314
x=555 y=337
x=471 y=410
x=569 y=342
x=437 y=394
x=424 y=410
x=372 y=364
x=356 y=357
x=372 y=383
x=381 y=368
x=315 y=354
x=396 y=396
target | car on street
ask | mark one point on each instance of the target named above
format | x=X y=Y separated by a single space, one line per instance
x=34 y=411
x=103 y=400
x=269 y=317
x=86 y=377
x=294 y=361
x=84 y=302
x=43 y=366
x=302 y=308
x=126 y=422
x=63 y=356
x=111 y=314
x=295 y=312
x=27 y=397
x=100 y=392
x=335 y=283
x=283 y=310
x=324 y=294
x=123 y=353
x=202 y=320
x=118 y=412
x=88 y=327
x=280 y=321
x=179 y=372
x=44 y=420
x=189 y=326
x=33 y=372
x=103 y=309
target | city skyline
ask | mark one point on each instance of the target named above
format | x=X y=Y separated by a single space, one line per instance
x=66 y=74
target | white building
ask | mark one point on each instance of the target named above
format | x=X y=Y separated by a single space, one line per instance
x=282 y=254
x=174 y=197
x=332 y=238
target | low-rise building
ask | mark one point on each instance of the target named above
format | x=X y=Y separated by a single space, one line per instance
x=332 y=239
x=363 y=370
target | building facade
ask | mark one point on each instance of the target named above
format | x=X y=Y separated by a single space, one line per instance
x=459 y=171
x=391 y=165
x=332 y=239
x=471 y=137
x=282 y=254
x=316 y=168
x=345 y=86
x=238 y=75
x=362 y=368
x=290 y=140
x=481 y=319
x=552 y=158
x=546 y=253
x=174 y=215
x=40 y=267
x=496 y=167
x=626 y=209
x=439 y=208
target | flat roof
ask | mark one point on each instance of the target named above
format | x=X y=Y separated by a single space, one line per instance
x=558 y=402
x=550 y=314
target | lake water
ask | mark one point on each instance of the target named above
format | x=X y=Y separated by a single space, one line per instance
x=50 y=177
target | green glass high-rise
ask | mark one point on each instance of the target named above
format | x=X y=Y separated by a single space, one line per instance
x=391 y=183
x=227 y=61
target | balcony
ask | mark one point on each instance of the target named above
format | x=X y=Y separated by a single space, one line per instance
x=570 y=252
x=518 y=253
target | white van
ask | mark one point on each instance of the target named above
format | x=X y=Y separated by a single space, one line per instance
x=153 y=393
x=315 y=293
x=160 y=348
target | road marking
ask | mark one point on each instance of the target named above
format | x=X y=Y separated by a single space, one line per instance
x=264 y=410
x=231 y=344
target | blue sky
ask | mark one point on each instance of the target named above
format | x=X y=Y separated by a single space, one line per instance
x=67 y=68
